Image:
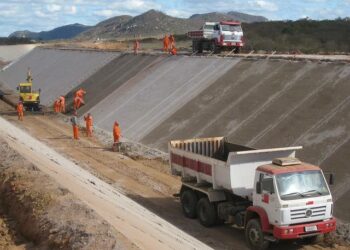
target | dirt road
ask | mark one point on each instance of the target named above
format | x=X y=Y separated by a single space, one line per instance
x=145 y=184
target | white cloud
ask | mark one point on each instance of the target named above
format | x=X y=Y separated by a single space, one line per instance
x=265 y=5
x=53 y=7
x=104 y=13
x=71 y=9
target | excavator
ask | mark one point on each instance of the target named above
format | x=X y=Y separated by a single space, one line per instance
x=29 y=97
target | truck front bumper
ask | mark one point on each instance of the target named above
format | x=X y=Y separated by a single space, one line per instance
x=301 y=230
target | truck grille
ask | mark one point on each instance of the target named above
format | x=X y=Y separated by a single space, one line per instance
x=307 y=212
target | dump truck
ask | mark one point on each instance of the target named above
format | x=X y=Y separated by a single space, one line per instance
x=267 y=192
x=217 y=36
x=29 y=97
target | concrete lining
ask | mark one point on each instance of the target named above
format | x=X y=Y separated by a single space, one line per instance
x=55 y=71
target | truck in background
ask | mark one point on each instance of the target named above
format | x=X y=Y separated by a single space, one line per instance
x=268 y=192
x=217 y=36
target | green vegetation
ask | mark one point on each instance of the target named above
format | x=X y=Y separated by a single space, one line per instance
x=14 y=40
x=306 y=36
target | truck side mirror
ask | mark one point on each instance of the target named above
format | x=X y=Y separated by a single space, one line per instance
x=330 y=178
x=258 y=187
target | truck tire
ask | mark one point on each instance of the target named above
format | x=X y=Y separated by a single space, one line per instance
x=255 y=236
x=194 y=46
x=200 y=47
x=206 y=212
x=214 y=48
x=189 y=202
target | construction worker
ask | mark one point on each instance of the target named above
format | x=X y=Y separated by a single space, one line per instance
x=74 y=121
x=116 y=136
x=20 y=110
x=171 y=42
x=173 y=51
x=89 y=122
x=56 y=106
x=166 y=43
x=62 y=103
x=136 y=46
x=78 y=98
x=29 y=75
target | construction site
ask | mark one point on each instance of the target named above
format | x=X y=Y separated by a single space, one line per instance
x=61 y=193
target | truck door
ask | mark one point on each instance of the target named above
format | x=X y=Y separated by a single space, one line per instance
x=266 y=196
x=216 y=32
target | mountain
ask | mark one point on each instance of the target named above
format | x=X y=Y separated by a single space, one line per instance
x=156 y=23
x=64 y=32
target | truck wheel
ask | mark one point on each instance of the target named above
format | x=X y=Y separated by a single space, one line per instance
x=255 y=236
x=206 y=212
x=189 y=203
x=214 y=48
x=194 y=46
x=200 y=47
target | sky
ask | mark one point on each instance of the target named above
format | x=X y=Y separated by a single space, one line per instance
x=39 y=15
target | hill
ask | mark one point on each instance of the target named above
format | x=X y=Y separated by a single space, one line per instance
x=64 y=32
x=156 y=23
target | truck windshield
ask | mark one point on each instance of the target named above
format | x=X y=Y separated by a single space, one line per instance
x=231 y=28
x=25 y=89
x=209 y=27
x=299 y=185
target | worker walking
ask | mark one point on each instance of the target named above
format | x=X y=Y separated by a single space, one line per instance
x=74 y=121
x=89 y=123
x=116 y=136
x=20 y=111
x=62 y=103
x=166 y=43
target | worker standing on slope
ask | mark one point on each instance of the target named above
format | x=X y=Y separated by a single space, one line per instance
x=171 y=42
x=166 y=43
x=116 y=136
x=89 y=123
x=56 y=106
x=136 y=46
x=79 y=98
x=20 y=111
x=62 y=103
x=74 y=121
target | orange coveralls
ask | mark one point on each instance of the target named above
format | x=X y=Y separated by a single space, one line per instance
x=56 y=106
x=166 y=43
x=136 y=47
x=88 y=121
x=62 y=102
x=171 y=42
x=20 y=111
x=74 y=121
x=78 y=98
x=116 y=133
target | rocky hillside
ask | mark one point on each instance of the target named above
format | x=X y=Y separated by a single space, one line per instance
x=156 y=23
x=64 y=32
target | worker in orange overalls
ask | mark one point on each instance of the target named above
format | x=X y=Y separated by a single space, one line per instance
x=20 y=111
x=56 y=106
x=165 y=43
x=74 y=121
x=62 y=103
x=116 y=136
x=89 y=122
x=78 y=98
x=136 y=46
x=171 y=42
x=173 y=51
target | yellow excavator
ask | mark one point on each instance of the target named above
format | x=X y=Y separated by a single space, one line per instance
x=29 y=97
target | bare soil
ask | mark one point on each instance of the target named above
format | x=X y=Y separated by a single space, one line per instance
x=46 y=214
